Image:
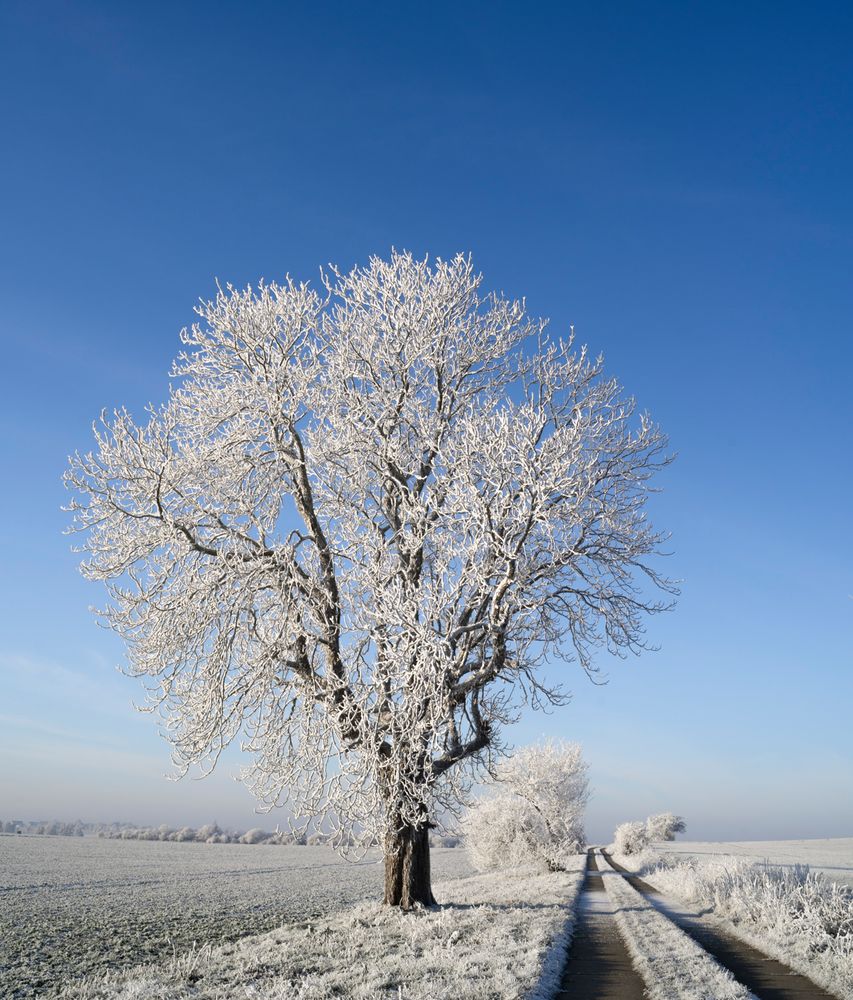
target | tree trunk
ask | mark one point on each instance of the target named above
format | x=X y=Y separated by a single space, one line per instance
x=407 y=875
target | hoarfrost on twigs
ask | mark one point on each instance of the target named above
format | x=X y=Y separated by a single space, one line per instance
x=358 y=526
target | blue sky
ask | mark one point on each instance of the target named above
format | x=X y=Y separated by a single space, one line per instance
x=674 y=179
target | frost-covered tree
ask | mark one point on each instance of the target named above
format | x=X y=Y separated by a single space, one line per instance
x=631 y=837
x=664 y=826
x=537 y=813
x=204 y=833
x=357 y=527
x=635 y=837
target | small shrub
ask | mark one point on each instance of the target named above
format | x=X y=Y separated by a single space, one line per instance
x=254 y=836
x=630 y=838
x=664 y=826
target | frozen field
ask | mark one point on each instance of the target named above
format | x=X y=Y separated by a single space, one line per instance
x=73 y=905
x=832 y=857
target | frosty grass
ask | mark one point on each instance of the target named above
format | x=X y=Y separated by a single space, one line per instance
x=70 y=906
x=498 y=935
x=800 y=917
x=673 y=966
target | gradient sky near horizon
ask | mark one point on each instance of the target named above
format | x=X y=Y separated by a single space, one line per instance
x=673 y=179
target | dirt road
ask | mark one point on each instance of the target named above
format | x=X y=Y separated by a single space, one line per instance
x=600 y=965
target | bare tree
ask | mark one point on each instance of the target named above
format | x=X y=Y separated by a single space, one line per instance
x=356 y=529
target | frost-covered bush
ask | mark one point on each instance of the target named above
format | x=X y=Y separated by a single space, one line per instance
x=631 y=838
x=315 y=839
x=206 y=832
x=664 y=826
x=254 y=836
x=635 y=837
x=536 y=815
x=496 y=832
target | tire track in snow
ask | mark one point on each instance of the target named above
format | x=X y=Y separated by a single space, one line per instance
x=672 y=964
x=598 y=966
x=765 y=977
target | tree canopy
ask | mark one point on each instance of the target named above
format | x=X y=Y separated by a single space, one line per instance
x=361 y=522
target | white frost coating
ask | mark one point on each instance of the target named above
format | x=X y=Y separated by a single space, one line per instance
x=630 y=838
x=74 y=906
x=672 y=965
x=664 y=826
x=634 y=837
x=496 y=936
x=833 y=857
x=796 y=916
x=536 y=815
x=358 y=526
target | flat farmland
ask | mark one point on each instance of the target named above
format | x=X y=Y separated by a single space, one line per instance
x=832 y=858
x=71 y=906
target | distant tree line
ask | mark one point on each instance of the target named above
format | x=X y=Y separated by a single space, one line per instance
x=210 y=833
x=50 y=828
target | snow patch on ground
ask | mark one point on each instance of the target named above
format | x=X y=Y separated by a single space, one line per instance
x=672 y=965
x=497 y=935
